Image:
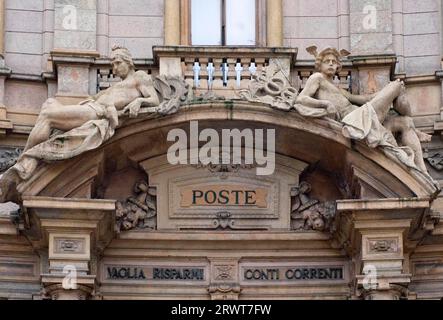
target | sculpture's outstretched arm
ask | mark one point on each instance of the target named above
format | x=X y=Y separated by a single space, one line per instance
x=358 y=99
x=149 y=97
x=98 y=95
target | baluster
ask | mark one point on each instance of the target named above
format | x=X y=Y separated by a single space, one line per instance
x=344 y=80
x=238 y=73
x=296 y=80
x=218 y=73
x=196 y=69
x=232 y=74
x=224 y=69
x=245 y=73
x=210 y=70
x=103 y=79
x=203 y=73
x=260 y=63
x=189 y=70
x=304 y=75
x=253 y=69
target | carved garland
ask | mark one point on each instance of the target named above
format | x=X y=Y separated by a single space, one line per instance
x=309 y=214
x=138 y=211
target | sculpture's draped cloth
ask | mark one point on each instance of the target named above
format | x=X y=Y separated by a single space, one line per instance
x=93 y=134
x=67 y=145
x=363 y=124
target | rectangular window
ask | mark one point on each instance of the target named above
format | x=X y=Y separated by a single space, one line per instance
x=223 y=22
x=240 y=22
x=206 y=22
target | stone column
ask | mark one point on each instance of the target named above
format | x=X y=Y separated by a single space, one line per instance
x=371 y=27
x=172 y=22
x=274 y=12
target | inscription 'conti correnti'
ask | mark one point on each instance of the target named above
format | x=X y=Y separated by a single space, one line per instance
x=298 y=274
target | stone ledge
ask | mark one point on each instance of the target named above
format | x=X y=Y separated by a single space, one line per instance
x=68 y=204
x=382 y=204
x=214 y=236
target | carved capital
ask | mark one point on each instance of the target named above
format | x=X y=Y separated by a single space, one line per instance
x=57 y=292
x=389 y=292
x=226 y=291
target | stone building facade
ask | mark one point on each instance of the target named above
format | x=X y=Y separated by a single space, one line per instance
x=336 y=220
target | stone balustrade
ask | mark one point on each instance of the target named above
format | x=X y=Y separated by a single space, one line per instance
x=106 y=78
x=226 y=70
x=223 y=70
x=304 y=69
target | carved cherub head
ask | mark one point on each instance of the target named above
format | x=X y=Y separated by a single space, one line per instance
x=322 y=55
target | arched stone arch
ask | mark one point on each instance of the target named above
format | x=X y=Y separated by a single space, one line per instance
x=318 y=142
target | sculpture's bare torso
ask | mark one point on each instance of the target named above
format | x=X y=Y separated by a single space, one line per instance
x=123 y=93
x=329 y=92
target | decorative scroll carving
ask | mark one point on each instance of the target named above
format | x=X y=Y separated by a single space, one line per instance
x=224 y=169
x=224 y=221
x=174 y=91
x=8 y=157
x=138 y=211
x=270 y=87
x=380 y=246
x=227 y=291
x=310 y=214
x=208 y=96
x=436 y=161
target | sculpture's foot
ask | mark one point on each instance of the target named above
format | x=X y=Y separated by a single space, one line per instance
x=8 y=187
x=423 y=137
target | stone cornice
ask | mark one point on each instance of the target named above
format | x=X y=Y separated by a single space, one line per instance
x=68 y=204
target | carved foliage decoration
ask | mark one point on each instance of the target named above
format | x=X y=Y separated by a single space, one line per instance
x=138 y=211
x=309 y=214
x=174 y=91
x=436 y=160
x=8 y=157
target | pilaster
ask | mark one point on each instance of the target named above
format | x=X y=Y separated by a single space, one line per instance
x=172 y=23
x=372 y=72
x=380 y=234
x=371 y=27
x=73 y=231
x=75 y=48
x=274 y=21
